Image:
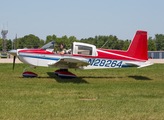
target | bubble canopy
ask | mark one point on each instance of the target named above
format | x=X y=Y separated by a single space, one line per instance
x=49 y=45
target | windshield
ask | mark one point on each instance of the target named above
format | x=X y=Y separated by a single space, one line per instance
x=49 y=45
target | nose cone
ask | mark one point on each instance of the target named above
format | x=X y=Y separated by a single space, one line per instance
x=13 y=52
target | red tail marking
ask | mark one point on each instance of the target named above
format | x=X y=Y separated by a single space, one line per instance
x=138 y=47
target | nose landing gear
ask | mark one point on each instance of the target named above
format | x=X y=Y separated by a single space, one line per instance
x=28 y=73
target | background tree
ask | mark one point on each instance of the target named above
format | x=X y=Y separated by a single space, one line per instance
x=1 y=44
x=151 y=44
x=50 y=38
x=113 y=42
x=8 y=45
x=71 y=39
x=41 y=43
x=159 y=41
x=100 y=42
x=29 y=41
x=126 y=45
x=119 y=45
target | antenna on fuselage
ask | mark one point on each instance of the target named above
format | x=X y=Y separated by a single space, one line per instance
x=104 y=44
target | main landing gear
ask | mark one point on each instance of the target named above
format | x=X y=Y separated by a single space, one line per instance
x=64 y=73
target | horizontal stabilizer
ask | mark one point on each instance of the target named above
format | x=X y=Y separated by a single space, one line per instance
x=139 y=65
x=147 y=63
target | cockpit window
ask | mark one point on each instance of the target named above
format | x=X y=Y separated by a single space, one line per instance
x=83 y=50
x=49 y=45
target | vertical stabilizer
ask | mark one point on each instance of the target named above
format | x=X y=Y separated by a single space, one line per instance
x=138 y=47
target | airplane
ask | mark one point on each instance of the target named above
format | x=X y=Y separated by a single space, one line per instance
x=84 y=56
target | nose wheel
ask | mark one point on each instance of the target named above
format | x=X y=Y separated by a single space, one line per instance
x=28 y=73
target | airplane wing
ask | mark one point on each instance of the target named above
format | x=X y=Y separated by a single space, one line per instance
x=139 y=65
x=68 y=63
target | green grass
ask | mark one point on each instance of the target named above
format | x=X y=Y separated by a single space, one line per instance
x=127 y=93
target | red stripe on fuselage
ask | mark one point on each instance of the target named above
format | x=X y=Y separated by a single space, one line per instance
x=115 y=54
x=37 y=51
x=102 y=54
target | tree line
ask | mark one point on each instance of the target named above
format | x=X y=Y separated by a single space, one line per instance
x=112 y=42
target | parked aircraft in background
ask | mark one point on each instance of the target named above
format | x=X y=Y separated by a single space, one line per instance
x=85 y=56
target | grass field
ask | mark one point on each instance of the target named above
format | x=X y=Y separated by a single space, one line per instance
x=127 y=93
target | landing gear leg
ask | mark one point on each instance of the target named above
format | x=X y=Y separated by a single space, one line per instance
x=28 y=68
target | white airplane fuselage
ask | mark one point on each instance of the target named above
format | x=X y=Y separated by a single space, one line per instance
x=87 y=56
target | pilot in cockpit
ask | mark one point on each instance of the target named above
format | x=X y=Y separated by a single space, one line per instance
x=63 y=50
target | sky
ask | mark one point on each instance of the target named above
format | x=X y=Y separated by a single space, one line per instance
x=81 y=18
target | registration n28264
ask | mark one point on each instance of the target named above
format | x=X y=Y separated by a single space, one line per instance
x=105 y=63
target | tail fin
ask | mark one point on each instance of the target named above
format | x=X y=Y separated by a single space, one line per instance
x=138 y=47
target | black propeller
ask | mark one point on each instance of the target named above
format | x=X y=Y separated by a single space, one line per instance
x=14 y=52
x=14 y=62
